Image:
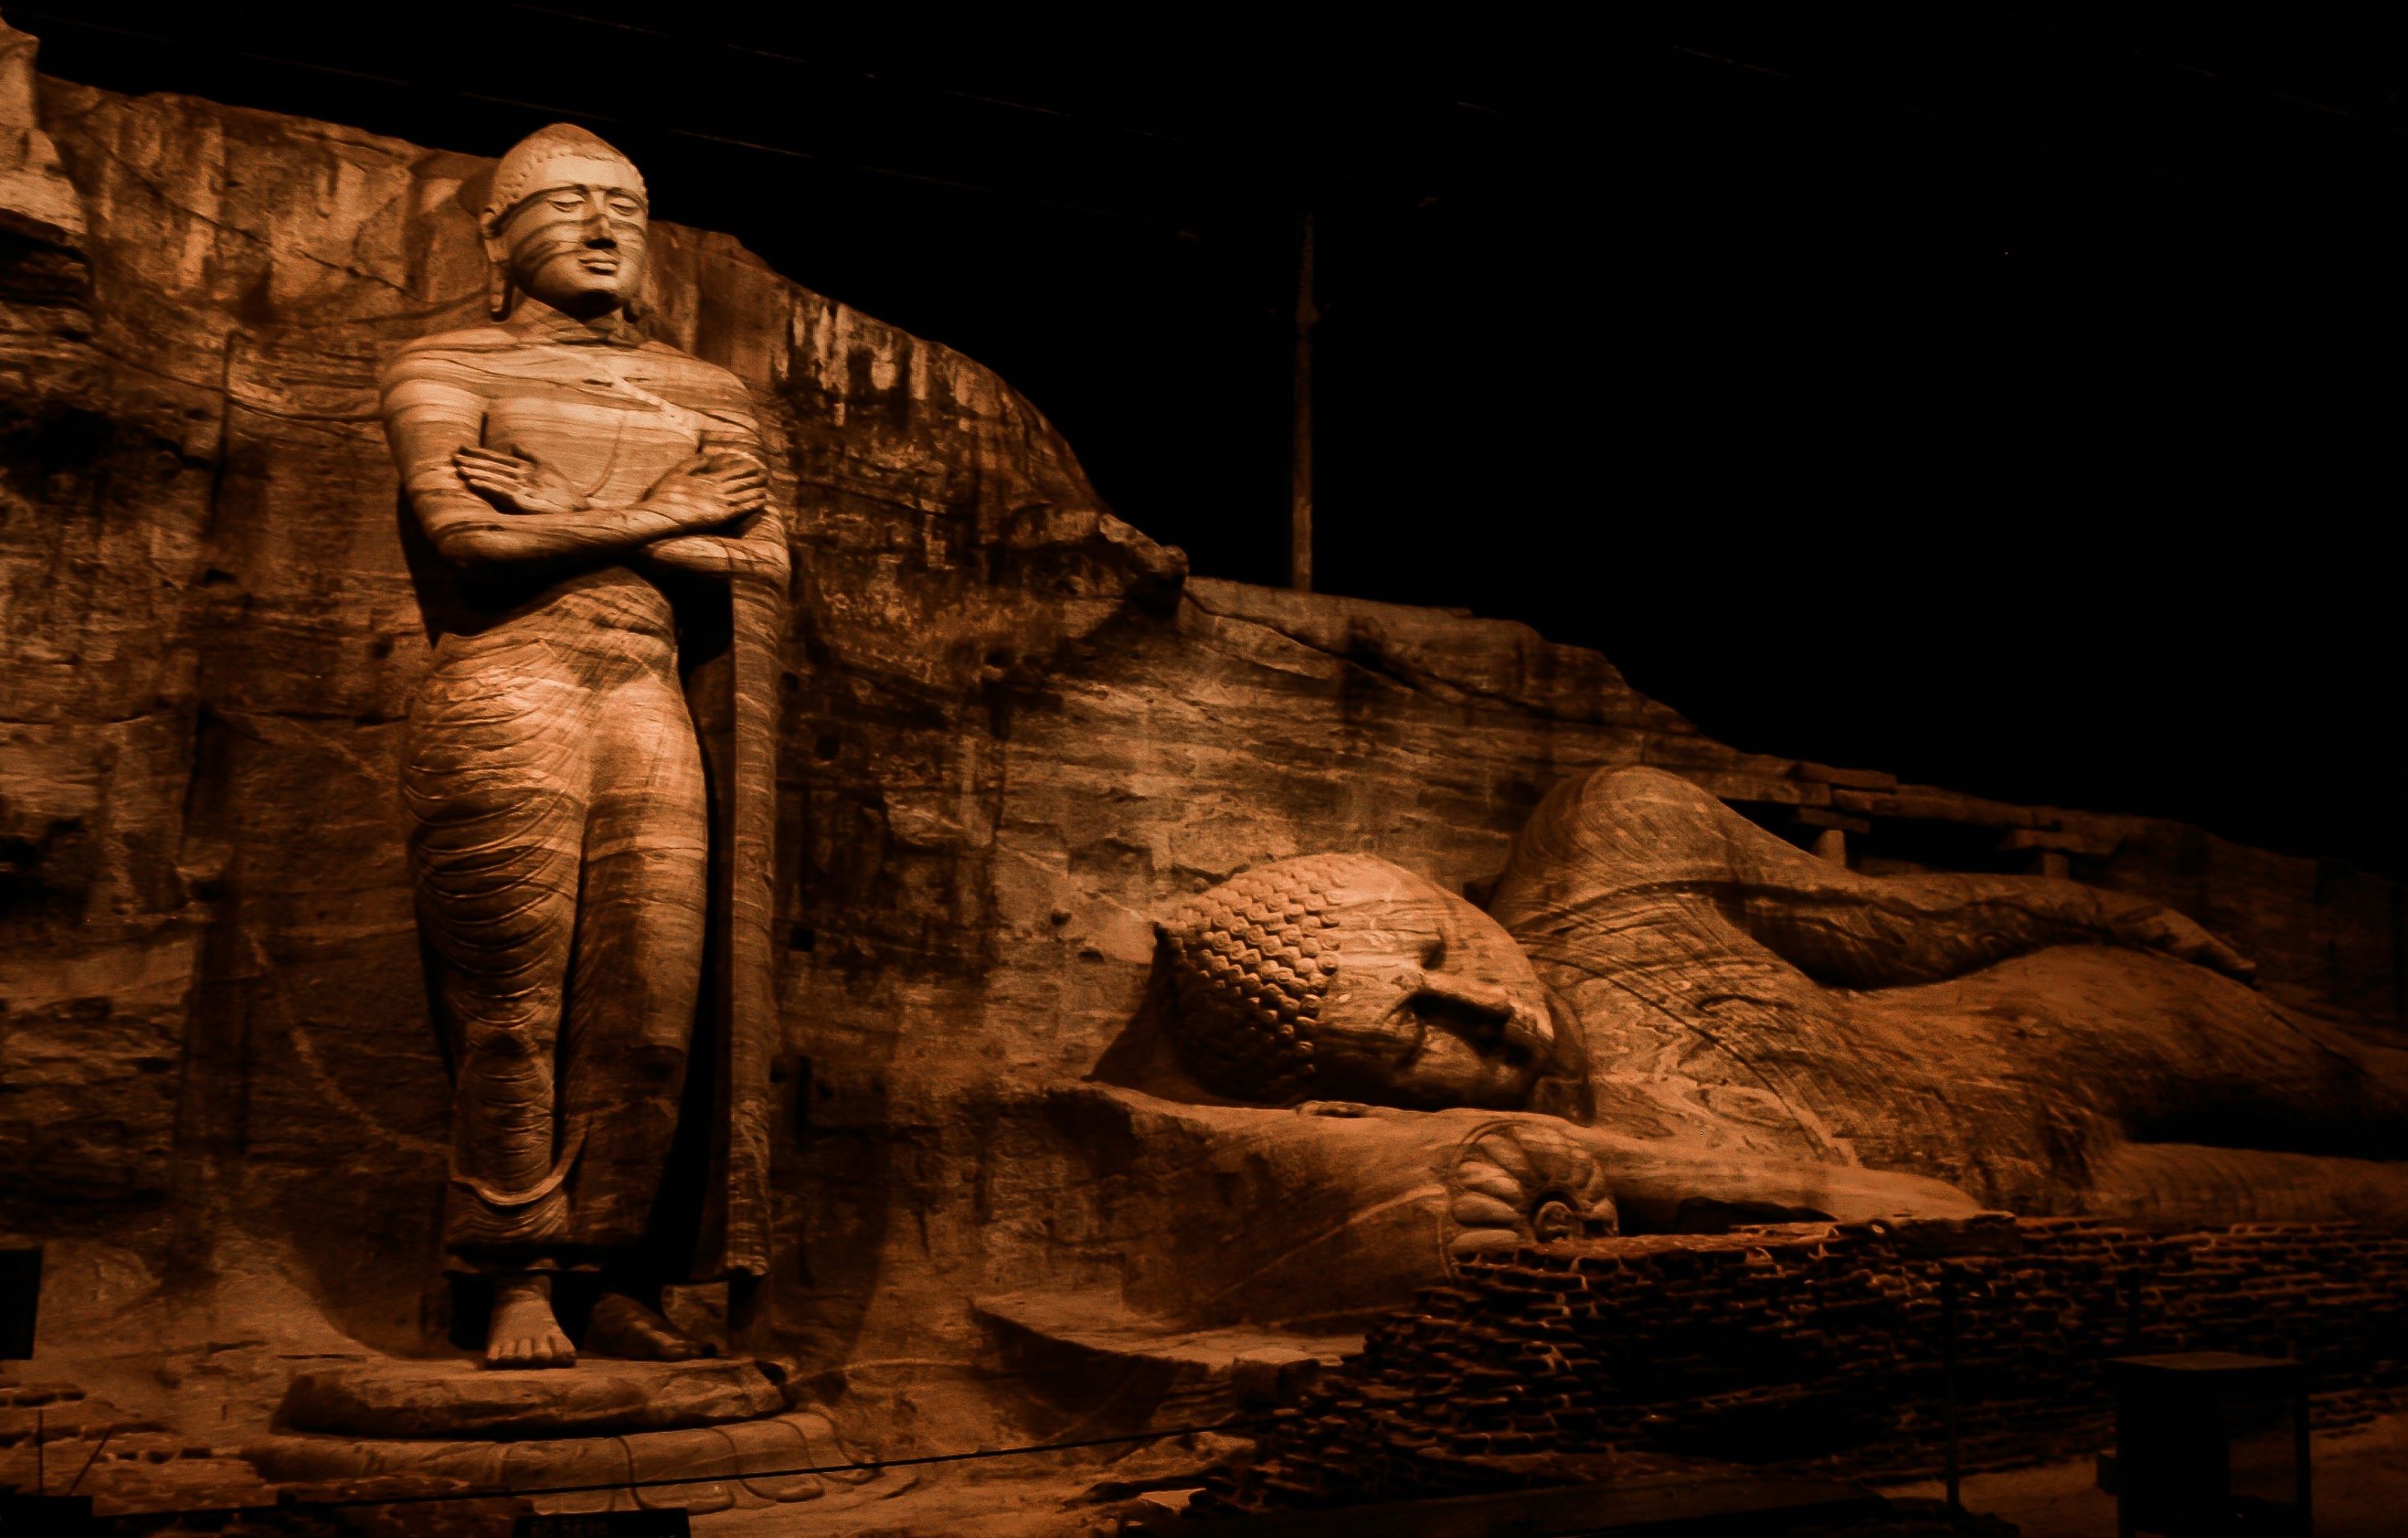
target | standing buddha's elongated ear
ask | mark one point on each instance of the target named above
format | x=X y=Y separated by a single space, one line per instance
x=500 y=293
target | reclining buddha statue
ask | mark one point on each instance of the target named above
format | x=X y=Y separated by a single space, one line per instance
x=1346 y=1079
x=2045 y=1046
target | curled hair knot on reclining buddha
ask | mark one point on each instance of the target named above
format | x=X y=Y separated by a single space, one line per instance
x=1346 y=977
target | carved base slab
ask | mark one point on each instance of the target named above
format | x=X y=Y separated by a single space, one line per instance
x=716 y=1467
x=461 y=1399
x=1077 y=1340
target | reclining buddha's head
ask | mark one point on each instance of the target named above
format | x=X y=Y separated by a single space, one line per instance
x=1345 y=977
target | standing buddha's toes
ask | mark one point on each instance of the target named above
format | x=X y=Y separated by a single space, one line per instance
x=623 y=1327
x=524 y=1333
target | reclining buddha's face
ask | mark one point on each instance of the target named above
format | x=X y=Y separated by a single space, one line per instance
x=1345 y=977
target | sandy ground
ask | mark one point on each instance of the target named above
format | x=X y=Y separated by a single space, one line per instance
x=2359 y=1479
x=962 y=1501
x=1042 y=1496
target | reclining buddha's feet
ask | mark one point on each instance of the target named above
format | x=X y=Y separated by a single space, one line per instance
x=523 y=1332
x=623 y=1326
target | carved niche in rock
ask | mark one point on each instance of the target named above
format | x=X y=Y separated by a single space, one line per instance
x=606 y=582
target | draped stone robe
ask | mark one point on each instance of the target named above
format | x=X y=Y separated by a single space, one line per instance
x=588 y=777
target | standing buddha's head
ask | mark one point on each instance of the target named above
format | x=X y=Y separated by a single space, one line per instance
x=565 y=223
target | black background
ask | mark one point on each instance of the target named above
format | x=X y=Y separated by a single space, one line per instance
x=2003 y=396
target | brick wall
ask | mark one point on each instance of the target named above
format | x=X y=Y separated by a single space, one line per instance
x=1820 y=1347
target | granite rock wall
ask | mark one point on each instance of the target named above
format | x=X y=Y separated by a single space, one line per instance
x=1013 y=734
x=214 y=1048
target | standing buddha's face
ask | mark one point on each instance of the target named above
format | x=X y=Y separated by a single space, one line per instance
x=578 y=244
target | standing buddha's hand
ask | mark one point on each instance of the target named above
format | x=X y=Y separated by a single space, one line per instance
x=712 y=489
x=516 y=480
x=706 y=492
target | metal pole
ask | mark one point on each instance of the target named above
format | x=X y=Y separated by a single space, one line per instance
x=1948 y=1377
x=1299 y=516
x=2303 y=1485
x=89 y=1461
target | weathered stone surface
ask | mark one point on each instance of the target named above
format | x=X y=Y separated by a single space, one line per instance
x=126 y=1462
x=37 y=199
x=749 y=1462
x=1012 y=740
x=455 y=1399
x=1089 y=1347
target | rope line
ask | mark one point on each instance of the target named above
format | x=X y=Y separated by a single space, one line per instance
x=872 y=1465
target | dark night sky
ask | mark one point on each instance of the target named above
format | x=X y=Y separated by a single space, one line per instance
x=2004 y=396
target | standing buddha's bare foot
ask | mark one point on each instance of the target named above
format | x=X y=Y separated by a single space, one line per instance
x=523 y=1332
x=622 y=1327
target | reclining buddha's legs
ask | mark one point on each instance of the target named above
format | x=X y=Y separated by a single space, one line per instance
x=2020 y=1035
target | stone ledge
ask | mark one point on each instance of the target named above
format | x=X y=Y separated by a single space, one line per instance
x=1077 y=1331
x=746 y=1464
x=458 y=1399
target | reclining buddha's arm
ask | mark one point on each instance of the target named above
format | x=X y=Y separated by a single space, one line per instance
x=1616 y=846
x=1886 y=931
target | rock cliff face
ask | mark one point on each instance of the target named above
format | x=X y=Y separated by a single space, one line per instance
x=1013 y=735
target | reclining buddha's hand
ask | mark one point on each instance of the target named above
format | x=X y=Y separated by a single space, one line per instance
x=516 y=480
x=2149 y=927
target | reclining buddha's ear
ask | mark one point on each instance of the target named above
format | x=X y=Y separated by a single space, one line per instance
x=1564 y=1089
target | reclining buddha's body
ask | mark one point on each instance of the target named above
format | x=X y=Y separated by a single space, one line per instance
x=2045 y=1046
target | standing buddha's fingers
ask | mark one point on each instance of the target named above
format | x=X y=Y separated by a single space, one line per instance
x=491 y=460
x=489 y=480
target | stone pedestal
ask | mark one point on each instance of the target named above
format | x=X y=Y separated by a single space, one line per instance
x=584 y=1438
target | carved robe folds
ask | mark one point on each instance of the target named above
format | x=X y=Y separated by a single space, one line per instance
x=588 y=779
